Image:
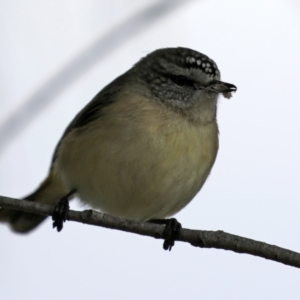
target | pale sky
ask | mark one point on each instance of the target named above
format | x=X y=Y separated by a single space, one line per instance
x=253 y=190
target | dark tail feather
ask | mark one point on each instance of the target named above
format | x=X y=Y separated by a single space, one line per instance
x=50 y=192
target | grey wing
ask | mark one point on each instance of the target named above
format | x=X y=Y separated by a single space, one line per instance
x=91 y=111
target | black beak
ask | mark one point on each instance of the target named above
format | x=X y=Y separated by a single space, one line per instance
x=220 y=87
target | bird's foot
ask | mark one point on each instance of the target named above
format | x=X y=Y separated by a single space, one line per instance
x=171 y=231
x=60 y=212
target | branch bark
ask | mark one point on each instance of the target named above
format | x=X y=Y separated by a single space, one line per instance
x=197 y=238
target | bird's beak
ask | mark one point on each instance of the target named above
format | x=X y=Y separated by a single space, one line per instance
x=221 y=87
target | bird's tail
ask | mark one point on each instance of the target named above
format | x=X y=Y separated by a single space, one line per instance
x=50 y=192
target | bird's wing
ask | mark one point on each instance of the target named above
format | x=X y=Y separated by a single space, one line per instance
x=91 y=111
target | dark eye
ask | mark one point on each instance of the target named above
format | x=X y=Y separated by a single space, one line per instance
x=181 y=80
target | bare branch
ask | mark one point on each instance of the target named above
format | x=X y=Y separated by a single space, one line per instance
x=198 y=238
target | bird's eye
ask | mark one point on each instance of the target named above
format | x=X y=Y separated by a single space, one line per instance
x=181 y=80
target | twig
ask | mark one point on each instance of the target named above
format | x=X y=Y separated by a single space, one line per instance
x=198 y=238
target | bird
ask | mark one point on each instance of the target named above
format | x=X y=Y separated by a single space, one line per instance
x=142 y=148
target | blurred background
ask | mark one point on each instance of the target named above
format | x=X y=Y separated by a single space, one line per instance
x=56 y=55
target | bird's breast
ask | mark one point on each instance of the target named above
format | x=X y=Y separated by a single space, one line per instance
x=138 y=160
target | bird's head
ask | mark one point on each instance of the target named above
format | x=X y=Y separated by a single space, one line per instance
x=182 y=78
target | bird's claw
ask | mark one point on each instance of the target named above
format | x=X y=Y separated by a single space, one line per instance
x=60 y=213
x=171 y=233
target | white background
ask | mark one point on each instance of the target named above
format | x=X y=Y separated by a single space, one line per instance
x=253 y=190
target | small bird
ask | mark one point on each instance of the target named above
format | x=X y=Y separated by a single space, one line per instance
x=142 y=148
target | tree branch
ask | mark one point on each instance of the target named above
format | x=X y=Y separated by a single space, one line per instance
x=197 y=238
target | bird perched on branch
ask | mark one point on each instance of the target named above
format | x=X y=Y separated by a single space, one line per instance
x=142 y=148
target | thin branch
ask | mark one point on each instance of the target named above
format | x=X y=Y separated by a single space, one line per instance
x=197 y=238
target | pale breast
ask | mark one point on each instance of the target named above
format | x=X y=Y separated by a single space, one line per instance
x=138 y=161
